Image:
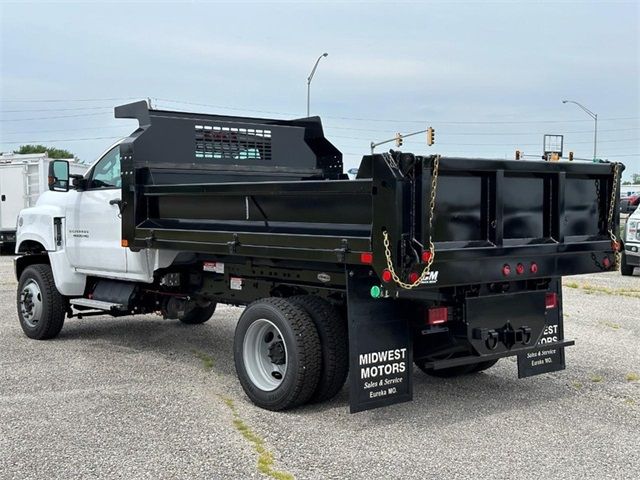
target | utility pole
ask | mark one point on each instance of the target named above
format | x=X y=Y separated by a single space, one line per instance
x=595 y=130
x=310 y=77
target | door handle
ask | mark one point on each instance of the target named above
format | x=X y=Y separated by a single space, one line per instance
x=119 y=203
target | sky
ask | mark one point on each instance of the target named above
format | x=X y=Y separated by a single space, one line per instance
x=489 y=77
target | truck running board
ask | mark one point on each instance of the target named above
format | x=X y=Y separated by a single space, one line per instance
x=97 y=305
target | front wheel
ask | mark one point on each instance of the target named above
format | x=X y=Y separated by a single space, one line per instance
x=625 y=269
x=41 y=308
x=277 y=354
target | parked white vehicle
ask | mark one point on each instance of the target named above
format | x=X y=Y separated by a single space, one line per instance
x=631 y=252
x=22 y=179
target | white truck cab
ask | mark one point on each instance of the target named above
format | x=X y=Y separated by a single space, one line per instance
x=631 y=241
x=79 y=228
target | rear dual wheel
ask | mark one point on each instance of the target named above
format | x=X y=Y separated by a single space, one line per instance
x=291 y=351
x=277 y=354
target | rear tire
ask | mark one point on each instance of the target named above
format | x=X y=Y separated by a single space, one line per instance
x=198 y=315
x=332 y=330
x=625 y=269
x=41 y=308
x=277 y=354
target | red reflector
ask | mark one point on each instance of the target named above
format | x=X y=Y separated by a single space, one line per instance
x=386 y=276
x=520 y=269
x=438 y=315
x=534 y=267
x=413 y=277
x=551 y=300
x=426 y=256
x=506 y=270
x=366 y=257
x=606 y=262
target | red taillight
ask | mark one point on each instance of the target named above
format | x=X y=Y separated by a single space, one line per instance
x=520 y=269
x=551 y=300
x=438 y=315
x=426 y=256
x=366 y=257
x=506 y=270
x=606 y=262
x=534 y=267
x=413 y=277
x=386 y=276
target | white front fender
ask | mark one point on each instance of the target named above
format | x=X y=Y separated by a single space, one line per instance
x=36 y=224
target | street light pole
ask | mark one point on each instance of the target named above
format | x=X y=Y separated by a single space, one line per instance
x=595 y=118
x=310 y=77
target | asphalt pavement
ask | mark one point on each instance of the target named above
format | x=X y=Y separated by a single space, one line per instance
x=143 y=397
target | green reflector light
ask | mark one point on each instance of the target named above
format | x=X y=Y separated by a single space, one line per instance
x=375 y=291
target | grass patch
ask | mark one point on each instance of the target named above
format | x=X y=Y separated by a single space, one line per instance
x=629 y=401
x=632 y=377
x=265 y=457
x=207 y=361
x=596 y=378
x=613 y=325
x=622 y=292
x=576 y=385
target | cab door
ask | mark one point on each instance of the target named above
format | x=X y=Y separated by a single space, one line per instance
x=94 y=223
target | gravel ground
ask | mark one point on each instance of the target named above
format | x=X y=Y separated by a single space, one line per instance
x=147 y=398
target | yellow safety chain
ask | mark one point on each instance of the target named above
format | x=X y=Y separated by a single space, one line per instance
x=385 y=235
x=614 y=193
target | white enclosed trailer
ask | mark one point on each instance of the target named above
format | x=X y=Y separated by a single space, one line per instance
x=22 y=179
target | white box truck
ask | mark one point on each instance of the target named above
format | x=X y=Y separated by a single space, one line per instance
x=22 y=179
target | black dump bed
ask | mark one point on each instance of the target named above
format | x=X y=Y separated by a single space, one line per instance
x=275 y=189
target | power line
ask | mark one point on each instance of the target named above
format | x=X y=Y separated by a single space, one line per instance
x=55 y=109
x=387 y=131
x=470 y=122
x=67 y=100
x=60 y=140
x=65 y=130
x=50 y=118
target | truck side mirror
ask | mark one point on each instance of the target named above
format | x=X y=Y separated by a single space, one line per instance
x=59 y=176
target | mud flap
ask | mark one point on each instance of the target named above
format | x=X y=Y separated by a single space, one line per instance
x=546 y=359
x=380 y=347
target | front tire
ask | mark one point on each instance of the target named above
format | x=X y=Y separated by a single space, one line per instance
x=41 y=308
x=277 y=354
x=626 y=270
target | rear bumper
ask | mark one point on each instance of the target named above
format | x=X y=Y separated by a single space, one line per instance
x=473 y=359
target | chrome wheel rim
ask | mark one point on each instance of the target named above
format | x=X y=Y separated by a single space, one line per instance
x=31 y=303
x=264 y=353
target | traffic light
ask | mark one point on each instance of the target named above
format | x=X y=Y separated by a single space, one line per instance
x=518 y=155
x=431 y=136
x=571 y=156
x=399 y=140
